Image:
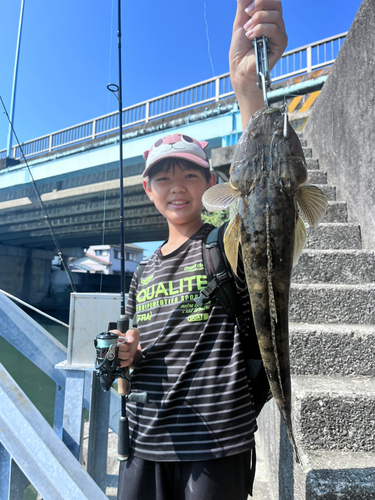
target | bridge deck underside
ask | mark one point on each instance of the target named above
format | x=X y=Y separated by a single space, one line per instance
x=83 y=221
x=84 y=210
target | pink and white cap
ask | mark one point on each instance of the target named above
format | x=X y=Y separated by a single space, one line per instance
x=176 y=146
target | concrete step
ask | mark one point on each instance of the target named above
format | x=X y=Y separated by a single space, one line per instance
x=335 y=475
x=328 y=190
x=323 y=475
x=334 y=236
x=327 y=303
x=335 y=266
x=334 y=413
x=337 y=211
x=312 y=163
x=307 y=152
x=329 y=350
x=317 y=177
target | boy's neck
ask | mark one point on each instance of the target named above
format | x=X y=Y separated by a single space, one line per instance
x=178 y=234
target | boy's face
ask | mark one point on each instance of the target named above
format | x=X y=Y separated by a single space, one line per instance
x=177 y=193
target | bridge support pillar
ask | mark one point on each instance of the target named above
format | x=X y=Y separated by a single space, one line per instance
x=26 y=273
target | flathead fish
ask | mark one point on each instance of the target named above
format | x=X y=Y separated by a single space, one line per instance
x=268 y=178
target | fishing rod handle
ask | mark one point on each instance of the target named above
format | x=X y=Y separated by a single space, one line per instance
x=123 y=447
x=123 y=327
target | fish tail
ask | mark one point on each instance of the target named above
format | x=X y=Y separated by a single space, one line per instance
x=271 y=299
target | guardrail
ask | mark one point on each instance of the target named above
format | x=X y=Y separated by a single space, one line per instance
x=294 y=62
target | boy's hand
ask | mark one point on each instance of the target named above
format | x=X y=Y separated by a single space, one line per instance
x=263 y=18
x=128 y=352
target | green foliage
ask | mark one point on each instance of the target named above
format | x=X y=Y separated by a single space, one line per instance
x=215 y=218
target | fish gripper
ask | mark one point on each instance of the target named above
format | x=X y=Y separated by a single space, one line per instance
x=261 y=61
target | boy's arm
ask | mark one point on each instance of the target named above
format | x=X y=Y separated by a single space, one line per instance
x=259 y=18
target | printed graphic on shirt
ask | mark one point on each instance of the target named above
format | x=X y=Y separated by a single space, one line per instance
x=194 y=267
x=145 y=281
x=181 y=292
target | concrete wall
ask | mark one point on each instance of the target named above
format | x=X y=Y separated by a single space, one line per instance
x=25 y=273
x=277 y=453
x=341 y=127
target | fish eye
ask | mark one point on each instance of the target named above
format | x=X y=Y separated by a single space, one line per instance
x=187 y=139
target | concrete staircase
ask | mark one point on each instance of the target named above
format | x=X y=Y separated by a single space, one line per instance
x=332 y=336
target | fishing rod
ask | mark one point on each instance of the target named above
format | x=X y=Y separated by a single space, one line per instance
x=42 y=206
x=107 y=364
x=122 y=322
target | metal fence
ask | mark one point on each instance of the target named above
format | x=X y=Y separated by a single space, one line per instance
x=294 y=62
x=31 y=452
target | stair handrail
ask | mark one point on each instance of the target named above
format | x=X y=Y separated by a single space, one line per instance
x=29 y=306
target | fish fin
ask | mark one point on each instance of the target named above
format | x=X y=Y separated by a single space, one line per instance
x=232 y=240
x=313 y=203
x=300 y=237
x=219 y=197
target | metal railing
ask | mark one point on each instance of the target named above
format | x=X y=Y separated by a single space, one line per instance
x=308 y=58
x=30 y=451
x=294 y=62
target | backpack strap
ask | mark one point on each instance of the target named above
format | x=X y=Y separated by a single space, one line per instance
x=221 y=284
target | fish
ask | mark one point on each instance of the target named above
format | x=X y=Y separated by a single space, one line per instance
x=268 y=188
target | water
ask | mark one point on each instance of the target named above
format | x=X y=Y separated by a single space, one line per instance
x=39 y=388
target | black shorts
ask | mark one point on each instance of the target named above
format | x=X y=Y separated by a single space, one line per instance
x=229 y=478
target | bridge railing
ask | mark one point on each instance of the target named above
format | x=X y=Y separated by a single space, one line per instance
x=294 y=62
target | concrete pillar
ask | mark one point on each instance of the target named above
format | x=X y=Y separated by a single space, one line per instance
x=26 y=273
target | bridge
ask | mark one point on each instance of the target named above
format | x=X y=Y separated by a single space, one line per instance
x=76 y=169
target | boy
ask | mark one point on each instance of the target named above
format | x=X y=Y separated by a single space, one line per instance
x=194 y=439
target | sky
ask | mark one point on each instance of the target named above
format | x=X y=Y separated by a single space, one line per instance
x=68 y=52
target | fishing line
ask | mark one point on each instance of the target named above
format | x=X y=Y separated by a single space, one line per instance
x=208 y=39
x=44 y=212
x=208 y=43
x=106 y=165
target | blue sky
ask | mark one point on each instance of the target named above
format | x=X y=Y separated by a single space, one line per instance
x=69 y=52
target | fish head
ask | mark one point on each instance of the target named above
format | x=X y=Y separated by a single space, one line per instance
x=287 y=153
x=265 y=149
x=248 y=155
